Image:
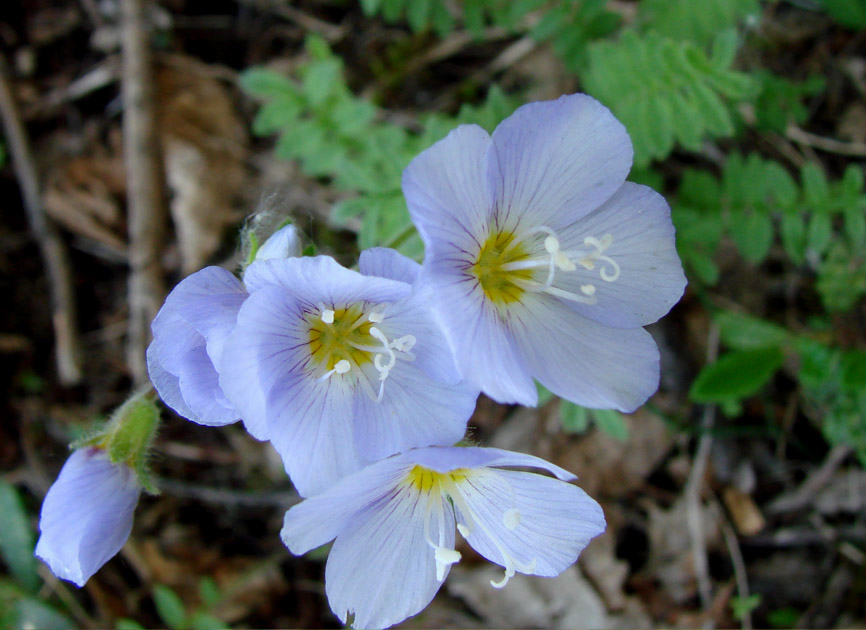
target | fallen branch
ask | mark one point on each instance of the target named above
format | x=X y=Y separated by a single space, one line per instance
x=52 y=248
x=144 y=174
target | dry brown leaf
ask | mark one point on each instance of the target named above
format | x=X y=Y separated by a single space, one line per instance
x=744 y=512
x=670 y=554
x=607 y=467
x=204 y=145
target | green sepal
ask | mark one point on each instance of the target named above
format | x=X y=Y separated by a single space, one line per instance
x=253 y=247
x=130 y=432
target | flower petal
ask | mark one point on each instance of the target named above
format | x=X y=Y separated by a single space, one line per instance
x=284 y=243
x=447 y=458
x=541 y=523
x=87 y=515
x=309 y=422
x=314 y=279
x=583 y=361
x=415 y=410
x=446 y=189
x=555 y=161
x=484 y=347
x=322 y=517
x=167 y=384
x=388 y=263
x=651 y=278
x=382 y=569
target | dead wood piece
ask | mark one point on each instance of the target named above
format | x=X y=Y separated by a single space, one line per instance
x=694 y=484
x=144 y=174
x=53 y=250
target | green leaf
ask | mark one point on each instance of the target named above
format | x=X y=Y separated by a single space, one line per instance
x=36 y=614
x=853 y=370
x=753 y=233
x=203 y=621
x=849 y=13
x=842 y=277
x=815 y=189
x=574 y=418
x=683 y=20
x=793 y=233
x=736 y=375
x=209 y=591
x=169 y=606
x=544 y=394
x=16 y=538
x=611 y=422
x=663 y=90
x=265 y=83
x=127 y=624
x=744 y=332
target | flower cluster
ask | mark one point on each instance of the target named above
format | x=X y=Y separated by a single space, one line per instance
x=541 y=262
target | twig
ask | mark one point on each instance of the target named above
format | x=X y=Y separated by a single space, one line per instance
x=221 y=496
x=53 y=250
x=802 y=496
x=144 y=175
x=330 y=32
x=733 y=545
x=831 y=145
x=692 y=490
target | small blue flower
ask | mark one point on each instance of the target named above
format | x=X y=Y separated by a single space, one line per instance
x=87 y=515
x=543 y=260
x=342 y=368
x=188 y=336
x=393 y=526
x=189 y=332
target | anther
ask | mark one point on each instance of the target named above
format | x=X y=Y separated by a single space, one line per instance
x=376 y=317
x=445 y=557
x=511 y=519
x=588 y=289
x=342 y=366
x=328 y=316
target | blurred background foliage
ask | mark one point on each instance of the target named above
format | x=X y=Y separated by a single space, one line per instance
x=732 y=106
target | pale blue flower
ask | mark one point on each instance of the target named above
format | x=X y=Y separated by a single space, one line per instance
x=189 y=332
x=87 y=514
x=544 y=261
x=342 y=368
x=393 y=526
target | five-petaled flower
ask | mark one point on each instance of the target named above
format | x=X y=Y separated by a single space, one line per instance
x=87 y=514
x=544 y=261
x=394 y=525
x=342 y=368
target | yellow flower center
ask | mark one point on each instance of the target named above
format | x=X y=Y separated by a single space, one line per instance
x=502 y=285
x=423 y=479
x=340 y=340
x=348 y=341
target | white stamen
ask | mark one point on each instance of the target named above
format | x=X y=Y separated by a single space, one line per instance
x=376 y=317
x=445 y=557
x=342 y=366
x=511 y=519
x=328 y=316
x=565 y=261
x=464 y=531
x=404 y=343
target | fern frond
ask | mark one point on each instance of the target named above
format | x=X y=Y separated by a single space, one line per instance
x=665 y=92
x=700 y=23
x=335 y=135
